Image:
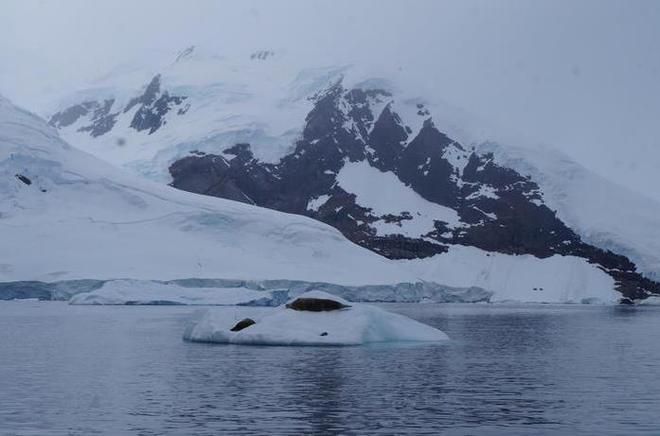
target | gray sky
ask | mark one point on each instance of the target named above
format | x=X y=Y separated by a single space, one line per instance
x=581 y=75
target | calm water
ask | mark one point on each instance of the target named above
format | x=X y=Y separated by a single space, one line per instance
x=526 y=369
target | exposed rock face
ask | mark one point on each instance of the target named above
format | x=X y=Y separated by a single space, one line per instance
x=153 y=106
x=460 y=196
x=315 y=305
x=98 y=118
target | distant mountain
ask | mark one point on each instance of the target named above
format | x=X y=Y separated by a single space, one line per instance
x=360 y=154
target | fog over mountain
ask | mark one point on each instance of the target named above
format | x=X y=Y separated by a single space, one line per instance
x=581 y=77
x=329 y=217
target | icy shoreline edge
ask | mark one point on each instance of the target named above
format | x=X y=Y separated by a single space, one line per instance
x=193 y=291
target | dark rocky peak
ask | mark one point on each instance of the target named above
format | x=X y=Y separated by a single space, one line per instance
x=101 y=120
x=423 y=166
x=387 y=139
x=334 y=128
x=149 y=95
x=72 y=114
x=430 y=140
x=322 y=119
x=154 y=105
x=337 y=108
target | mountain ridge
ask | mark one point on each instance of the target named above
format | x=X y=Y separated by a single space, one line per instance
x=501 y=209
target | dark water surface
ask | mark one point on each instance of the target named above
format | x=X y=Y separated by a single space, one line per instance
x=508 y=370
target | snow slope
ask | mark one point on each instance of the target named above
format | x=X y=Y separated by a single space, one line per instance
x=229 y=100
x=602 y=213
x=260 y=101
x=81 y=218
x=520 y=278
x=383 y=191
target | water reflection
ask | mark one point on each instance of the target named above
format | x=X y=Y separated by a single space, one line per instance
x=513 y=370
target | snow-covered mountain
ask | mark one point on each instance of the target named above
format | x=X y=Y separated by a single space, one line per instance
x=365 y=156
x=65 y=214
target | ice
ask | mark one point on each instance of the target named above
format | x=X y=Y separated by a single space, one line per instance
x=359 y=324
x=83 y=222
x=522 y=278
x=232 y=292
x=651 y=301
x=81 y=218
x=142 y=292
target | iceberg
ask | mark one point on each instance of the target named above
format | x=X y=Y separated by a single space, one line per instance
x=314 y=318
x=143 y=292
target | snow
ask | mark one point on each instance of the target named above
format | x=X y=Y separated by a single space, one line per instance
x=484 y=191
x=602 y=213
x=317 y=202
x=94 y=221
x=196 y=291
x=81 y=218
x=231 y=101
x=357 y=325
x=651 y=301
x=456 y=157
x=408 y=110
x=557 y=279
x=384 y=194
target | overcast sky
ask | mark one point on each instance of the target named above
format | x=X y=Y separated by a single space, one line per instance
x=581 y=75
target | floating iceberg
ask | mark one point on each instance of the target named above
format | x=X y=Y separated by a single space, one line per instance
x=313 y=318
x=144 y=292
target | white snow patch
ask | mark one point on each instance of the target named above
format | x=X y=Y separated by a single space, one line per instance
x=557 y=279
x=485 y=191
x=315 y=203
x=456 y=157
x=651 y=301
x=384 y=193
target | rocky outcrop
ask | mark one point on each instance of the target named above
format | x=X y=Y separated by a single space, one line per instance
x=497 y=208
x=153 y=105
x=99 y=117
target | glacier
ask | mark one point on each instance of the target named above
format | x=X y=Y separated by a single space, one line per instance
x=70 y=222
x=264 y=102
